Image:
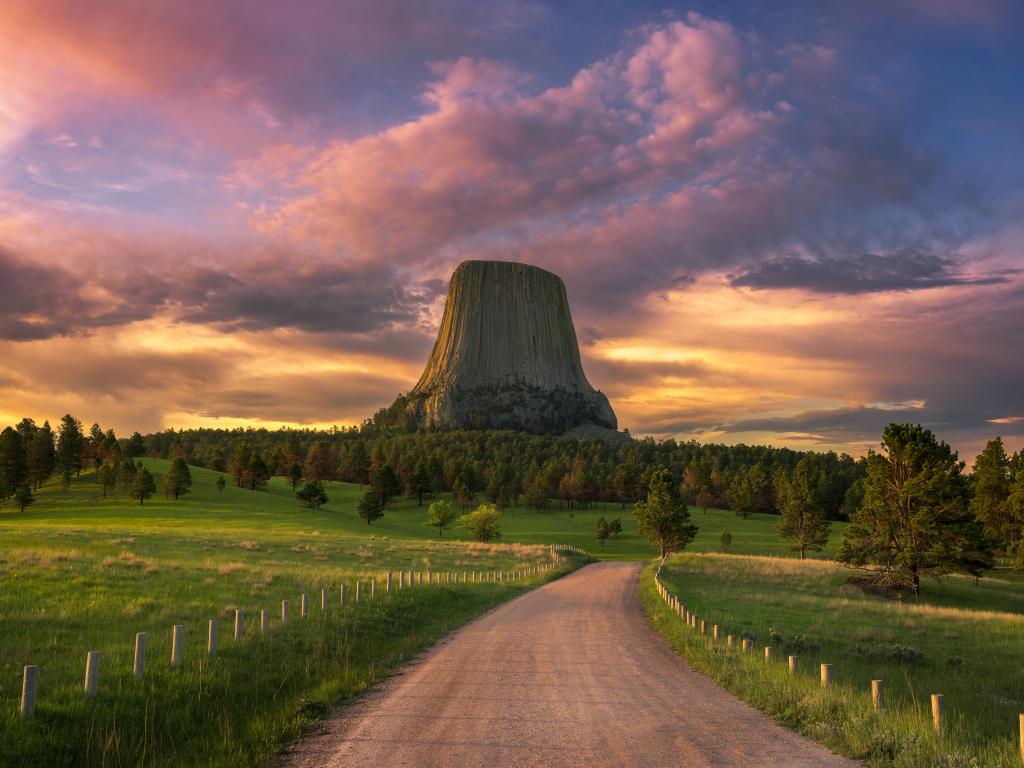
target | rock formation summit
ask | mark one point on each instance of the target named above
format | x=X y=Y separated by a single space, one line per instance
x=506 y=357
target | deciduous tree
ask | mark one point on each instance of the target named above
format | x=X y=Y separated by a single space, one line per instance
x=483 y=523
x=440 y=515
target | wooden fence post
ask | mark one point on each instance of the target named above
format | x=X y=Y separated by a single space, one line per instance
x=730 y=640
x=767 y=653
x=284 y=611
x=139 y=664
x=264 y=621
x=878 y=695
x=211 y=638
x=1022 y=737
x=239 y=624
x=387 y=584
x=938 y=712
x=30 y=687
x=344 y=593
x=793 y=662
x=304 y=606
x=359 y=590
x=325 y=600
x=92 y=673
x=826 y=675
x=373 y=588
x=177 y=644
x=746 y=644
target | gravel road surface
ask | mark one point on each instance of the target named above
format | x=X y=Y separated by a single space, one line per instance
x=567 y=675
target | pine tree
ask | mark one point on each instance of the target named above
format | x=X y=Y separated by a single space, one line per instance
x=914 y=520
x=13 y=463
x=313 y=494
x=419 y=482
x=70 y=443
x=42 y=456
x=319 y=463
x=257 y=473
x=371 y=507
x=24 y=496
x=802 y=516
x=107 y=478
x=663 y=519
x=991 y=489
x=178 y=480
x=386 y=484
x=144 y=485
x=294 y=474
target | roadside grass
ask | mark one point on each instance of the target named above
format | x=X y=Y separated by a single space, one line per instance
x=84 y=574
x=962 y=639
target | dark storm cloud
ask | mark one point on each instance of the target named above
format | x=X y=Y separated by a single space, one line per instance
x=905 y=270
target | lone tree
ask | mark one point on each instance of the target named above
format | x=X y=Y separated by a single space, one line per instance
x=371 y=507
x=24 y=496
x=178 y=480
x=312 y=493
x=440 y=515
x=663 y=519
x=108 y=478
x=802 y=516
x=386 y=484
x=483 y=523
x=615 y=527
x=294 y=474
x=144 y=485
x=914 y=520
x=725 y=542
x=221 y=482
x=603 y=530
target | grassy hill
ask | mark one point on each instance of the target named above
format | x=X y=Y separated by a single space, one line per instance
x=83 y=573
x=962 y=639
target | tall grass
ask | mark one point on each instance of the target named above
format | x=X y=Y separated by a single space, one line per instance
x=972 y=654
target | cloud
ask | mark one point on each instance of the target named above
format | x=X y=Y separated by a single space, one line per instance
x=904 y=270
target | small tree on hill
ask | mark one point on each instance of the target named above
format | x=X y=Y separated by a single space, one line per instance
x=914 y=520
x=144 y=485
x=108 y=478
x=802 y=517
x=294 y=474
x=371 y=507
x=603 y=531
x=221 y=482
x=313 y=494
x=386 y=484
x=178 y=480
x=24 y=496
x=440 y=515
x=725 y=541
x=615 y=527
x=663 y=519
x=483 y=523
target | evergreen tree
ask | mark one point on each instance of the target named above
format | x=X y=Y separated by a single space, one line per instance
x=914 y=520
x=257 y=472
x=178 y=480
x=663 y=519
x=131 y=473
x=991 y=489
x=1013 y=510
x=13 y=463
x=220 y=483
x=238 y=467
x=294 y=474
x=371 y=507
x=313 y=494
x=42 y=456
x=319 y=462
x=70 y=443
x=386 y=484
x=24 y=496
x=803 y=518
x=355 y=466
x=144 y=485
x=419 y=482
x=440 y=515
x=107 y=478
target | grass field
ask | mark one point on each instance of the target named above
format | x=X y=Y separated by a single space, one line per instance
x=962 y=639
x=83 y=573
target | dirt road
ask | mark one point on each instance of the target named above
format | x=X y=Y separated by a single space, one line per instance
x=567 y=675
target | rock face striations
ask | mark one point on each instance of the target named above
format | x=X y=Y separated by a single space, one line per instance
x=506 y=357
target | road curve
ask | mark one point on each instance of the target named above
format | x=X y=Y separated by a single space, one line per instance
x=569 y=674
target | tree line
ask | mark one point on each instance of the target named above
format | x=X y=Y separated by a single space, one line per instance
x=31 y=454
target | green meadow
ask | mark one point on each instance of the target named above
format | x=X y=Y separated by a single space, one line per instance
x=962 y=639
x=84 y=573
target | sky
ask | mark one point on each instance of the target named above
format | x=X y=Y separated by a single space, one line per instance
x=777 y=222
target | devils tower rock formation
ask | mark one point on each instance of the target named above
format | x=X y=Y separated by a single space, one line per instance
x=506 y=357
